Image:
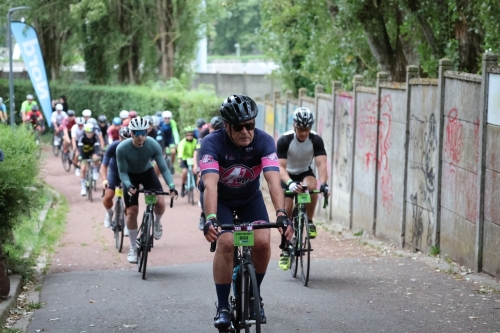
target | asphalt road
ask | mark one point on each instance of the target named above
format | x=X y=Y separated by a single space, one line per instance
x=353 y=288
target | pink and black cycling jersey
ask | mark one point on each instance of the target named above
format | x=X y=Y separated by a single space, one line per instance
x=239 y=168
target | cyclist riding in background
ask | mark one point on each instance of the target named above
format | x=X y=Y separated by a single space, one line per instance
x=89 y=148
x=186 y=150
x=109 y=174
x=132 y=114
x=133 y=158
x=77 y=132
x=66 y=126
x=296 y=150
x=114 y=130
x=87 y=115
x=215 y=124
x=27 y=105
x=3 y=111
x=124 y=117
x=202 y=129
x=231 y=162
x=103 y=123
x=35 y=118
x=57 y=118
x=170 y=134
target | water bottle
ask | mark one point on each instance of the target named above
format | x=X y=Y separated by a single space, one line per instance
x=235 y=279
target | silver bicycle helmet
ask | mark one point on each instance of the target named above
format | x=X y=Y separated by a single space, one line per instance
x=303 y=117
x=125 y=133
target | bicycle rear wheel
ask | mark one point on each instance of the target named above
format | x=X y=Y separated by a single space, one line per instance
x=250 y=289
x=119 y=225
x=305 y=251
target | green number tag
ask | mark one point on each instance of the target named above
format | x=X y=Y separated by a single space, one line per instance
x=189 y=161
x=243 y=238
x=151 y=199
x=303 y=198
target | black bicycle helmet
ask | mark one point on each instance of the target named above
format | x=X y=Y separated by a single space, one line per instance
x=102 y=118
x=34 y=107
x=238 y=108
x=200 y=122
x=71 y=113
x=216 y=122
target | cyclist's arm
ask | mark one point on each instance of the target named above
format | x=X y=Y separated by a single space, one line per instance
x=162 y=165
x=320 y=162
x=180 y=149
x=101 y=139
x=284 y=176
x=195 y=157
x=104 y=172
x=97 y=146
x=53 y=120
x=273 y=182
x=175 y=132
x=210 y=181
x=282 y=153
x=80 y=147
x=122 y=164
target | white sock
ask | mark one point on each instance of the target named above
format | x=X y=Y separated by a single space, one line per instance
x=158 y=218
x=132 y=234
x=110 y=213
x=83 y=182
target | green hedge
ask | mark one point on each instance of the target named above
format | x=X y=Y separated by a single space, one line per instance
x=19 y=174
x=186 y=105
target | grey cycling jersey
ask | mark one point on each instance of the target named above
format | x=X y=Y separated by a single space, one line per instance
x=136 y=160
x=298 y=154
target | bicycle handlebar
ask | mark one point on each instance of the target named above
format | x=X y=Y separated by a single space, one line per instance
x=313 y=191
x=157 y=192
x=213 y=245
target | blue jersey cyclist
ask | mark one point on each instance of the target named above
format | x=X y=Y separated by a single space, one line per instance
x=109 y=174
x=231 y=161
x=133 y=158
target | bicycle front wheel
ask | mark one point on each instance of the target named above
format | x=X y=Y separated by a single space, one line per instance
x=251 y=308
x=305 y=255
x=294 y=255
x=146 y=239
x=119 y=225
x=66 y=162
x=89 y=182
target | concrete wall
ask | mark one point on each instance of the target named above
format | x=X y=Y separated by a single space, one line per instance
x=343 y=136
x=460 y=154
x=280 y=120
x=422 y=166
x=365 y=154
x=391 y=164
x=491 y=245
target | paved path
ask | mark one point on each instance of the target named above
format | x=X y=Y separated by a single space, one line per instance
x=92 y=288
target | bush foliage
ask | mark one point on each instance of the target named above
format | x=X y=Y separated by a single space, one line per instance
x=19 y=174
x=185 y=105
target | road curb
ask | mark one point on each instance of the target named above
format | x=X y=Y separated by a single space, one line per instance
x=16 y=280
x=11 y=301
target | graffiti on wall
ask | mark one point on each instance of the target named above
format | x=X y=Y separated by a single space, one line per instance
x=453 y=142
x=385 y=133
x=423 y=138
x=366 y=136
x=344 y=118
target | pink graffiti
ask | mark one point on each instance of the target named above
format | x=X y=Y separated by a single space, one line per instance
x=385 y=130
x=367 y=131
x=454 y=138
x=321 y=124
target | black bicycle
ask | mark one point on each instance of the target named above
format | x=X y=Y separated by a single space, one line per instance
x=145 y=237
x=245 y=299
x=67 y=159
x=300 y=245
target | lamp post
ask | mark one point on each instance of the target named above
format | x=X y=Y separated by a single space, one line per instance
x=11 y=80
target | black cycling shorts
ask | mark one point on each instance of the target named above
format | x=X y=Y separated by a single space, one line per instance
x=297 y=178
x=148 y=179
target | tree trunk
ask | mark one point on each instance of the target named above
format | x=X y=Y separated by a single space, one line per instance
x=469 y=42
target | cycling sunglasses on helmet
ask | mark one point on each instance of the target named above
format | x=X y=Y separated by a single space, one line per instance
x=239 y=127
x=139 y=133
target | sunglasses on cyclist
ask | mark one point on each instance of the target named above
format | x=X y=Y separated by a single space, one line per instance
x=239 y=127
x=139 y=133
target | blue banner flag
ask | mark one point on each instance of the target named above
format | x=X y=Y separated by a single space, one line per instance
x=27 y=39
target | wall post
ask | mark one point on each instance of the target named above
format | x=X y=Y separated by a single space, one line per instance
x=381 y=78
x=489 y=60
x=444 y=65
x=357 y=81
x=411 y=72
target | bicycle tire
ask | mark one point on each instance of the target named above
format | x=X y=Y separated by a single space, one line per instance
x=250 y=281
x=66 y=161
x=147 y=245
x=294 y=258
x=55 y=150
x=305 y=255
x=89 y=182
x=119 y=225
x=142 y=241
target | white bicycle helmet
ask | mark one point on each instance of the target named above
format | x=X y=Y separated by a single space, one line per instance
x=86 y=113
x=166 y=114
x=80 y=121
x=156 y=121
x=303 y=117
x=138 y=123
x=59 y=107
x=124 y=114
x=29 y=96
